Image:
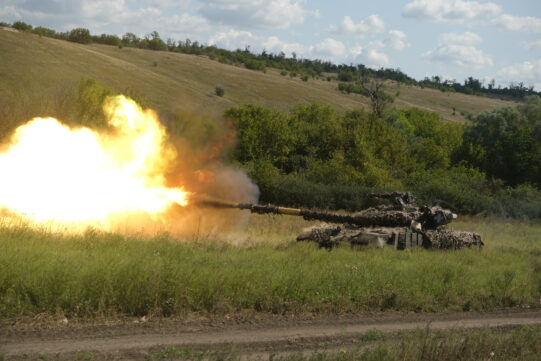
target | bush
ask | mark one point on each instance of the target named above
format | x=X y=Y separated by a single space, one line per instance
x=462 y=189
x=345 y=75
x=42 y=31
x=283 y=73
x=219 y=90
x=80 y=35
x=21 y=26
x=90 y=97
x=255 y=65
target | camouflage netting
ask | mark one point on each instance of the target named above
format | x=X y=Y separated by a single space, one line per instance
x=445 y=238
x=331 y=235
x=385 y=216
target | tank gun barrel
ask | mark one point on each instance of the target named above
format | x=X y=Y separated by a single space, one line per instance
x=272 y=209
x=397 y=219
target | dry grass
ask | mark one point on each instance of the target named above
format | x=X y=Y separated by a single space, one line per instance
x=177 y=82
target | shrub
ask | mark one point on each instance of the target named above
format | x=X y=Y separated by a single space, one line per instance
x=21 y=26
x=219 y=90
x=345 y=75
x=80 y=35
x=462 y=189
x=89 y=102
x=255 y=65
x=283 y=73
x=42 y=31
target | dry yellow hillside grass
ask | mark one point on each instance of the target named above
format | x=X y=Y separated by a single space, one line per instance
x=36 y=66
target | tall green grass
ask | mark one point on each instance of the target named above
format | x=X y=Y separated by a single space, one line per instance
x=103 y=274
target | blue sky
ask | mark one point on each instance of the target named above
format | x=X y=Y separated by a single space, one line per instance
x=497 y=39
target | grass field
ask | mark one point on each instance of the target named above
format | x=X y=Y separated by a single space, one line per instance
x=518 y=344
x=101 y=274
x=38 y=73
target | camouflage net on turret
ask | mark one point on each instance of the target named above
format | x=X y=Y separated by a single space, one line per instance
x=385 y=216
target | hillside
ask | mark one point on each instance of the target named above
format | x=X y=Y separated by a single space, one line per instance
x=39 y=71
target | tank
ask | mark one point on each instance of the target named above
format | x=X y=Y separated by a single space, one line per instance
x=399 y=224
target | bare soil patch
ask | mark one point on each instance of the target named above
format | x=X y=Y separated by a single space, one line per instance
x=137 y=338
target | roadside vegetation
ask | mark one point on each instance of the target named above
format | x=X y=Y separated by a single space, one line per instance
x=518 y=344
x=109 y=275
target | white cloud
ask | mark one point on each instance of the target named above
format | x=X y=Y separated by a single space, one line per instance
x=330 y=49
x=456 y=11
x=533 y=44
x=106 y=12
x=528 y=72
x=467 y=38
x=275 y=45
x=372 y=57
x=465 y=56
x=371 y=25
x=257 y=14
x=395 y=40
x=239 y=39
x=518 y=23
x=186 y=26
x=173 y=4
x=233 y=39
x=459 y=50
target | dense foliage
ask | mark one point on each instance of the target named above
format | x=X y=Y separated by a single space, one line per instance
x=505 y=143
x=315 y=157
x=305 y=68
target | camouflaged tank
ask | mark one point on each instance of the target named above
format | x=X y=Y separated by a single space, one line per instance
x=399 y=225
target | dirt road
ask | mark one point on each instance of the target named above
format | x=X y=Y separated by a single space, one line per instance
x=277 y=334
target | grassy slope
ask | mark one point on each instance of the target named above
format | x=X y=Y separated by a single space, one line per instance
x=38 y=67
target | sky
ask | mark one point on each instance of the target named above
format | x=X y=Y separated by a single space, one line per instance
x=490 y=40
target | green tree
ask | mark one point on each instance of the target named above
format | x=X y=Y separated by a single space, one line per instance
x=504 y=144
x=130 y=39
x=21 y=26
x=80 y=35
x=261 y=133
x=155 y=43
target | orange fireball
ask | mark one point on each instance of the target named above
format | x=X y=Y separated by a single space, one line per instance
x=51 y=172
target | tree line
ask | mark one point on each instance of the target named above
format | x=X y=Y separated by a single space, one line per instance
x=315 y=157
x=304 y=68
